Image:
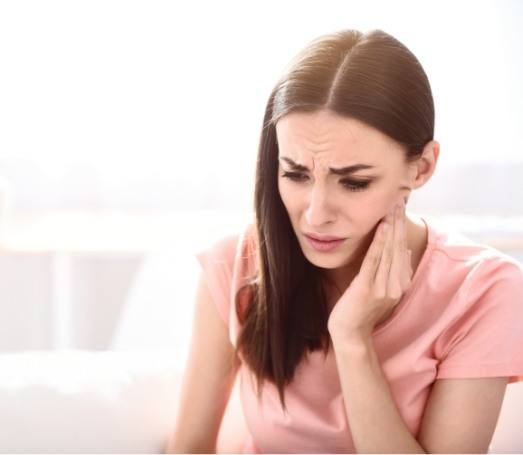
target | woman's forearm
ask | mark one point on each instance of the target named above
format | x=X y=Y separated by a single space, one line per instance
x=373 y=417
x=177 y=445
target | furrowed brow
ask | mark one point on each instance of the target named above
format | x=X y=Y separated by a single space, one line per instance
x=337 y=171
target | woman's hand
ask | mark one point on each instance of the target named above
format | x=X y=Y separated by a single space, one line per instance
x=384 y=276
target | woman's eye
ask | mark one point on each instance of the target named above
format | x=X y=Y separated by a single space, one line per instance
x=351 y=185
x=293 y=175
x=355 y=185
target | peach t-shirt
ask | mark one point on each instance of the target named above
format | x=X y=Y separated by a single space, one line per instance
x=462 y=317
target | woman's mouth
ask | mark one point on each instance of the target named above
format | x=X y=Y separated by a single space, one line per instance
x=323 y=246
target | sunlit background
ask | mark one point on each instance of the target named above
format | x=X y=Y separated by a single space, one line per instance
x=128 y=139
x=129 y=133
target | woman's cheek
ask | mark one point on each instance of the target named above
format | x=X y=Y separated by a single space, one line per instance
x=387 y=204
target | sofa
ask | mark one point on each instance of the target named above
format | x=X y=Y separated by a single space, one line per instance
x=80 y=401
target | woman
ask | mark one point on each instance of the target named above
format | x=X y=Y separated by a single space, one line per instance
x=396 y=337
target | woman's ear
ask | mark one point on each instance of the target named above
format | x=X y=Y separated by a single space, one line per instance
x=421 y=170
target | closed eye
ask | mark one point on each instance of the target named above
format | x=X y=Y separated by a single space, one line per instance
x=349 y=184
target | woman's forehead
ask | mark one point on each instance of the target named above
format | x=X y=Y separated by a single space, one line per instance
x=295 y=155
x=326 y=139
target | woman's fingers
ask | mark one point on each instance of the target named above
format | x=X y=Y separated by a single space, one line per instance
x=407 y=275
x=387 y=265
x=382 y=274
x=397 y=266
x=372 y=258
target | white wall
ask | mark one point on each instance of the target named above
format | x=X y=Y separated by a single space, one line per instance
x=136 y=104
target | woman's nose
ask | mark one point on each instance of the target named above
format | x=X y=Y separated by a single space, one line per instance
x=319 y=209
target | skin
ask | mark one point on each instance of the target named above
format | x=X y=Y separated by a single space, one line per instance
x=319 y=203
x=384 y=276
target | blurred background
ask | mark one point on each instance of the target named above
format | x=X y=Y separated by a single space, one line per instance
x=128 y=139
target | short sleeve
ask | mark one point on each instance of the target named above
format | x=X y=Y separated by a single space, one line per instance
x=486 y=340
x=217 y=265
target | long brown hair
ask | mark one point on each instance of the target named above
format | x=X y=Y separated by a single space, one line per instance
x=371 y=77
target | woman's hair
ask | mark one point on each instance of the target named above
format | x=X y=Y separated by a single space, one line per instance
x=371 y=77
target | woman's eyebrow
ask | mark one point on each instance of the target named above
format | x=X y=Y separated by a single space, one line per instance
x=338 y=171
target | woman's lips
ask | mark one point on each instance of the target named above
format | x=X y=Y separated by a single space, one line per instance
x=322 y=238
x=324 y=245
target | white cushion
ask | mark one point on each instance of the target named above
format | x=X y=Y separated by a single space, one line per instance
x=87 y=401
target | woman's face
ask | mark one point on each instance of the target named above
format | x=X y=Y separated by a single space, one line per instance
x=348 y=206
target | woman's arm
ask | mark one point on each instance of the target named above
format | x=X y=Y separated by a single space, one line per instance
x=208 y=380
x=460 y=416
x=374 y=420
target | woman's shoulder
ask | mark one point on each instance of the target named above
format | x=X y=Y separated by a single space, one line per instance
x=235 y=249
x=452 y=249
x=227 y=262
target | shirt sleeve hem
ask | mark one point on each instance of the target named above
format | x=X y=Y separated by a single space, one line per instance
x=513 y=372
